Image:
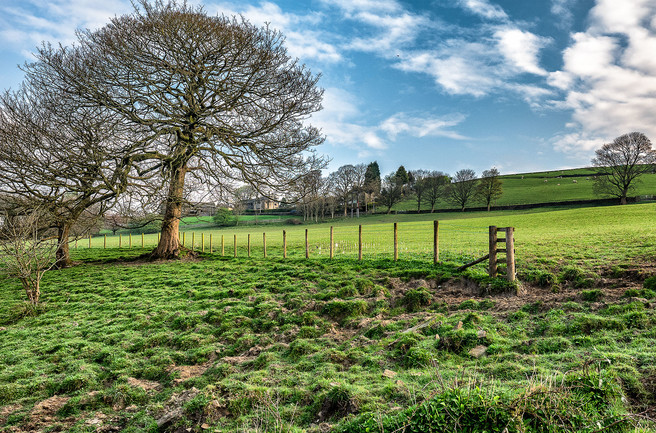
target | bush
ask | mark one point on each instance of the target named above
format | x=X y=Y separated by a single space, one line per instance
x=414 y=299
x=224 y=218
x=592 y=295
x=650 y=283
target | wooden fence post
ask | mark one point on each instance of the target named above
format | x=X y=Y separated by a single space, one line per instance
x=510 y=254
x=193 y=241
x=105 y=242
x=493 y=252
x=396 y=242
x=120 y=240
x=249 y=245
x=235 y=245
x=307 y=247
x=264 y=243
x=129 y=241
x=76 y=242
x=331 y=242
x=284 y=244
x=202 y=242
x=89 y=240
x=222 y=246
x=210 y=243
x=436 y=244
x=360 y=242
x=142 y=240
x=183 y=238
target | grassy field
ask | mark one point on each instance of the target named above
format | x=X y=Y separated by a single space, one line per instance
x=544 y=237
x=217 y=343
x=546 y=187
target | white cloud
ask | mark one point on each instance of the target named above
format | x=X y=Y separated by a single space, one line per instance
x=55 y=21
x=521 y=49
x=426 y=126
x=609 y=76
x=344 y=124
x=563 y=10
x=302 y=39
x=484 y=9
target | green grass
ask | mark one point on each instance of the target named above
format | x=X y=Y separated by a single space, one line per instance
x=531 y=188
x=544 y=238
x=288 y=344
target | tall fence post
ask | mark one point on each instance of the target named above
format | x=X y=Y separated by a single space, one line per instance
x=105 y=242
x=193 y=241
x=360 y=242
x=120 y=240
x=129 y=241
x=248 y=243
x=89 y=240
x=284 y=244
x=202 y=242
x=210 y=243
x=436 y=244
x=235 y=245
x=493 y=252
x=222 y=246
x=264 y=243
x=307 y=247
x=510 y=254
x=396 y=242
x=142 y=240
x=183 y=238
x=332 y=245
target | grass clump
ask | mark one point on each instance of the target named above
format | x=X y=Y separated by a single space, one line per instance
x=415 y=299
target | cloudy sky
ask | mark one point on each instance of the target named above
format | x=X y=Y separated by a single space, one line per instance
x=434 y=84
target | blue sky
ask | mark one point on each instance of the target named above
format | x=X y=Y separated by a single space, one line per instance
x=435 y=84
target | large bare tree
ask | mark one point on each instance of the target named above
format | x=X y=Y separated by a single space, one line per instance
x=621 y=163
x=218 y=95
x=69 y=160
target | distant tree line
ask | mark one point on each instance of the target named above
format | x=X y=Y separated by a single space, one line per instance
x=352 y=189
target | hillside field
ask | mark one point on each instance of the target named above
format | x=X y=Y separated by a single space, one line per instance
x=252 y=344
x=545 y=187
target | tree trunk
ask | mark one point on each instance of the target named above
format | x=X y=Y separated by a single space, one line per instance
x=169 y=245
x=62 y=255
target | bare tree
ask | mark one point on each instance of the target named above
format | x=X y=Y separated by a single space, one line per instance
x=342 y=181
x=359 y=180
x=489 y=187
x=462 y=188
x=418 y=185
x=218 y=95
x=621 y=163
x=60 y=156
x=435 y=185
x=26 y=251
x=391 y=191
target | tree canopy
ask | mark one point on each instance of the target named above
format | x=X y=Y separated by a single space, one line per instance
x=219 y=98
x=621 y=163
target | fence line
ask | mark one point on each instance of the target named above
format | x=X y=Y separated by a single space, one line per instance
x=397 y=240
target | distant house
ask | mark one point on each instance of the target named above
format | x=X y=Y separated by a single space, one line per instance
x=199 y=209
x=261 y=203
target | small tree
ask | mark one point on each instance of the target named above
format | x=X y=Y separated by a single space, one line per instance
x=462 y=188
x=489 y=187
x=26 y=253
x=418 y=185
x=391 y=191
x=435 y=185
x=371 y=182
x=223 y=217
x=621 y=163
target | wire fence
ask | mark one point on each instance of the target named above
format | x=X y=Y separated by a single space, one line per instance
x=414 y=240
